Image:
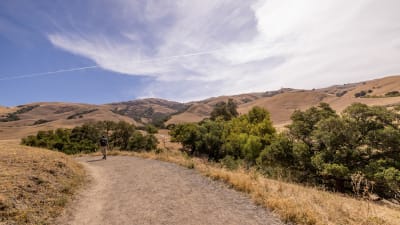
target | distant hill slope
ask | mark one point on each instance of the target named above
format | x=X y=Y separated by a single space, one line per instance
x=4 y=110
x=199 y=110
x=17 y=122
x=27 y=119
x=282 y=103
x=148 y=110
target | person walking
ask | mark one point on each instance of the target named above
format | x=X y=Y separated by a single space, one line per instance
x=104 y=146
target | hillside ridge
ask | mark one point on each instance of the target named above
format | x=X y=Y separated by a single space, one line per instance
x=23 y=120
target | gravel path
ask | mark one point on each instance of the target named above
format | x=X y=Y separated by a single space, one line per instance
x=129 y=190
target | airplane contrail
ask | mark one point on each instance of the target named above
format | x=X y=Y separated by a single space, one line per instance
x=47 y=73
x=30 y=75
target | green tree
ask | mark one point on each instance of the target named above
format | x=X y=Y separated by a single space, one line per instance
x=121 y=134
x=224 y=110
x=136 y=141
x=304 y=123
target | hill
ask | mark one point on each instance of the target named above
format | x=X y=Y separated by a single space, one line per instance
x=197 y=111
x=36 y=183
x=282 y=103
x=148 y=110
x=4 y=109
x=27 y=119
x=20 y=121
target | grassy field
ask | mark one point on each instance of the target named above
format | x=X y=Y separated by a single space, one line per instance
x=291 y=202
x=35 y=184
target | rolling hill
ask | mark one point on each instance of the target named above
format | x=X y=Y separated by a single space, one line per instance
x=148 y=110
x=282 y=103
x=23 y=120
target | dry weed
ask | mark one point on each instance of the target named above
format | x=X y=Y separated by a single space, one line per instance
x=35 y=184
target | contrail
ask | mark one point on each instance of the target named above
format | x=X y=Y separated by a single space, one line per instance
x=156 y=59
x=48 y=73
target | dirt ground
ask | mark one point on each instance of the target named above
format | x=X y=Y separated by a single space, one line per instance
x=129 y=190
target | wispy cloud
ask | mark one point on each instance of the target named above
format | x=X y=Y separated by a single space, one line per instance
x=201 y=48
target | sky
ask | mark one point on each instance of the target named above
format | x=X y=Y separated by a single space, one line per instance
x=102 y=51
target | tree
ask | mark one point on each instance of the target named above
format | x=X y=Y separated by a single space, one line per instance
x=150 y=142
x=151 y=129
x=303 y=123
x=136 y=141
x=224 y=110
x=122 y=133
x=188 y=134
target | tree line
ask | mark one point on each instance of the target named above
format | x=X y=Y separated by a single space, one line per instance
x=358 y=149
x=85 y=138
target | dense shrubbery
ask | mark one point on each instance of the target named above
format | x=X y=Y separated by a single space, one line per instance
x=319 y=147
x=85 y=138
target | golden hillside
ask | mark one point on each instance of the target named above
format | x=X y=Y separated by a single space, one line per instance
x=52 y=115
x=36 y=183
x=197 y=111
x=282 y=103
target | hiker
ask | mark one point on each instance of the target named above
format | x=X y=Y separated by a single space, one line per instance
x=104 y=146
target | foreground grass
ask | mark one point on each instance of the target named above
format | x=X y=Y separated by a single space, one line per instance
x=35 y=184
x=291 y=202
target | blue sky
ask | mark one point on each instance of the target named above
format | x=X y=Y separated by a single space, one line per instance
x=99 y=51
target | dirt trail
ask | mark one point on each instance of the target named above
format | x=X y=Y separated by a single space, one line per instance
x=129 y=190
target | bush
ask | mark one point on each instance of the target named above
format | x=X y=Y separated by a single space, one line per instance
x=41 y=121
x=340 y=94
x=360 y=94
x=151 y=129
x=392 y=94
x=320 y=146
x=85 y=138
x=243 y=137
x=80 y=114
x=224 y=110
x=230 y=163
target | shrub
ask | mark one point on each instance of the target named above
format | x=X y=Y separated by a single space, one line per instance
x=320 y=146
x=14 y=116
x=85 y=138
x=392 y=94
x=230 y=163
x=224 y=110
x=80 y=114
x=360 y=94
x=41 y=121
x=340 y=94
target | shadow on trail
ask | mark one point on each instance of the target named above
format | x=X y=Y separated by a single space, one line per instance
x=94 y=160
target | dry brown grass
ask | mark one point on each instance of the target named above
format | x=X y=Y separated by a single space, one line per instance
x=281 y=106
x=35 y=184
x=293 y=203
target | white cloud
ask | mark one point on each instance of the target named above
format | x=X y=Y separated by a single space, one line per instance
x=245 y=46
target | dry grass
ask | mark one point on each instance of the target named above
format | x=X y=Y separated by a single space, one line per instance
x=35 y=184
x=293 y=203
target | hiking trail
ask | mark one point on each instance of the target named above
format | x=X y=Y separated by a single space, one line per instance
x=130 y=190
